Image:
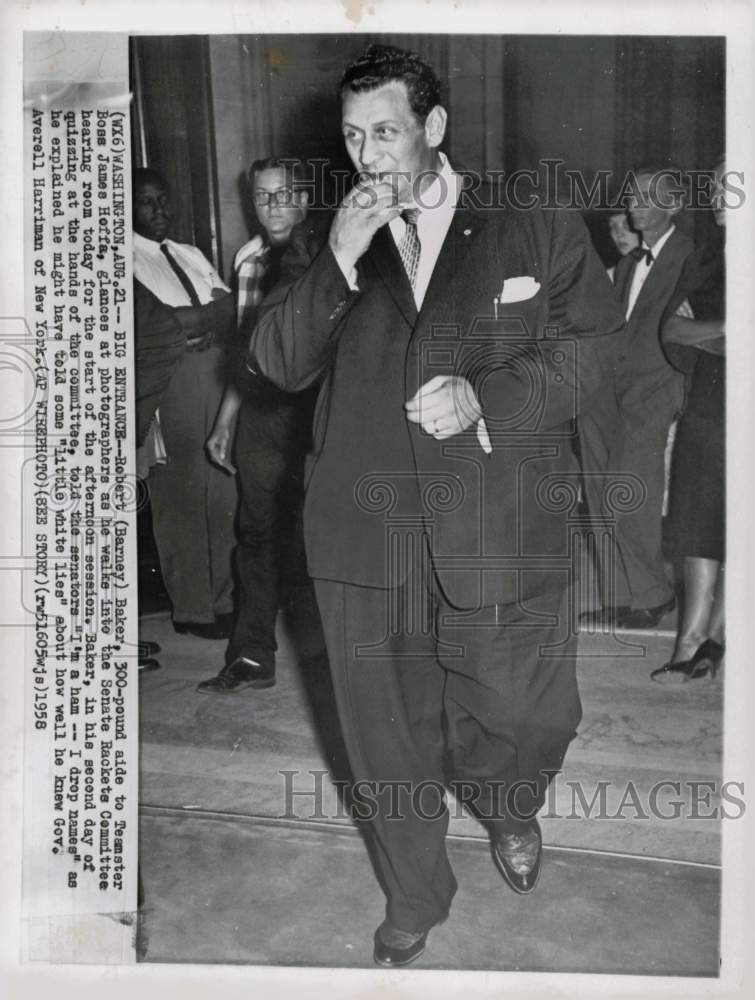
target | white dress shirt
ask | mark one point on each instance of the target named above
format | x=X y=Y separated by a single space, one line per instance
x=152 y=269
x=642 y=269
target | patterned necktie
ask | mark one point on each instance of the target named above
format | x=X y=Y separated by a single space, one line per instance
x=182 y=276
x=409 y=245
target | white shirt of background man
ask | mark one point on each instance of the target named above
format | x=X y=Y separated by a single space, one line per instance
x=642 y=269
x=152 y=269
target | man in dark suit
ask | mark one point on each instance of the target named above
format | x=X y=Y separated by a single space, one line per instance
x=628 y=434
x=434 y=521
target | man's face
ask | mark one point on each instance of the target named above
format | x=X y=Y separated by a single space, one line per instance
x=656 y=204
x=151 y=211
x=383 y=135
x=624 y=238
x=277 y=206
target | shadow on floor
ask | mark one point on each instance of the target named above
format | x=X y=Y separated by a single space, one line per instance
x=275 y=894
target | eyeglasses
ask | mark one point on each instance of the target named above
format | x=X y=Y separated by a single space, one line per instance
x=283 y=197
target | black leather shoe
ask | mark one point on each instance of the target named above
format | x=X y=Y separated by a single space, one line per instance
x=236 y=676
x=507 y=852
x=395 y=948
x=645 y=617
x=603 y=618
x=148 y=648
x=147 y=663
x=219 y=629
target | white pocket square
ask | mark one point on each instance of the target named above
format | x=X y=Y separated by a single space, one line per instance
x=519 y=289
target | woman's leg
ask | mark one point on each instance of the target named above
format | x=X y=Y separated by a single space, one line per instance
x=716 y=623
x=701 y=579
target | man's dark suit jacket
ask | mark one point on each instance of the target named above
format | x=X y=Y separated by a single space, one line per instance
x=160 y=344
x=496 y=524
x=642 y=368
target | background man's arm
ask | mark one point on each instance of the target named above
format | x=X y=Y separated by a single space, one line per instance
x=160 y=344
x=216 y=318
x=704 y=334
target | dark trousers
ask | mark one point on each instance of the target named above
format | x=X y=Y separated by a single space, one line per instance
x=631 y=442
x=193 y=502
x=270 y=446
x=487 y=702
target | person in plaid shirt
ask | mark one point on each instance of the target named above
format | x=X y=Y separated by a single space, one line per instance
x=272 y=436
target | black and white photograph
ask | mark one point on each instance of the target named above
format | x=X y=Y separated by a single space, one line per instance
x=379 y=556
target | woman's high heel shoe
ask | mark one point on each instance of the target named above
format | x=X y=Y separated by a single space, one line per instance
x=706 y=660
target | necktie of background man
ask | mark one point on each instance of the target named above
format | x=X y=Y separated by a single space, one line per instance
x=642 y=253
x=182 y=276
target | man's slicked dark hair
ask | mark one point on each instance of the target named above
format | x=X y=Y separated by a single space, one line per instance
x=381 y=64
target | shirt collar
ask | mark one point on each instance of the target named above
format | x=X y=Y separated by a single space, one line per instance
x=149 y=248
x=443 y=191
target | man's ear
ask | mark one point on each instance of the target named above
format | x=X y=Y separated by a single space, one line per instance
x=302 y=198
x=435 y=126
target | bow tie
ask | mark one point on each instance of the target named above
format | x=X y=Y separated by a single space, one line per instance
x=643 y=253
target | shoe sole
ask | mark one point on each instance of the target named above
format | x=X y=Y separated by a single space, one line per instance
x=239 y=687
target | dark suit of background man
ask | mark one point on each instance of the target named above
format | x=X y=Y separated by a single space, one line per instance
x=629 y=434
x=439 y=556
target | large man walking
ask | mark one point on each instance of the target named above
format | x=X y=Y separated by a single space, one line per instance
x=438 y=547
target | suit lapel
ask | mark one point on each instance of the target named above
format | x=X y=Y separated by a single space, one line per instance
x=623 y=279
x=657 y=280
x=384 y=257
x=465 y=226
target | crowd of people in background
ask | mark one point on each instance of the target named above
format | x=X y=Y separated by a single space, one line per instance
x=675 y=425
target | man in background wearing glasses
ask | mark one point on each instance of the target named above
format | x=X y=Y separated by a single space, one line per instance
x=273 y=432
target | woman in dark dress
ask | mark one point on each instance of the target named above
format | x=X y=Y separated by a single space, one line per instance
x=697 y=499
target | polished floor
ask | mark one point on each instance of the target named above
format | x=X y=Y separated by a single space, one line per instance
x=248 y=856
